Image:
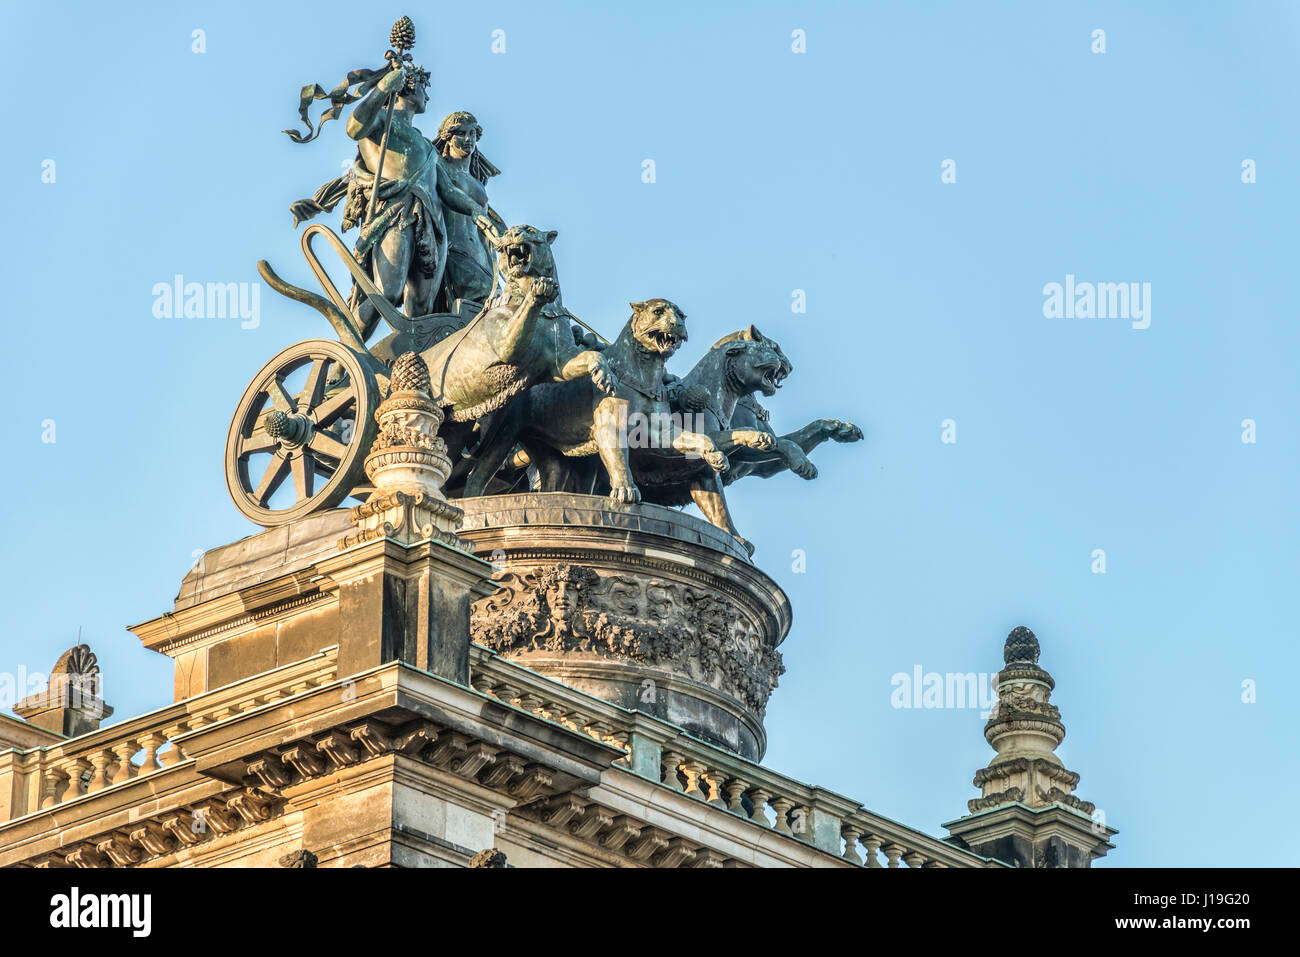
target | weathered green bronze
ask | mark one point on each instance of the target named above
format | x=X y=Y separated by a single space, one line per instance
x=394 y=191
x=528 y=399
x=403 y=39
x=722 y=388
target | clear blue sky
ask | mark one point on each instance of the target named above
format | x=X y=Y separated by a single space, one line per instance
x=775 y=171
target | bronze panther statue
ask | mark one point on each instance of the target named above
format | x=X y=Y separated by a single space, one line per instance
x=516 y=340
x=721 y=388
x=563 y=427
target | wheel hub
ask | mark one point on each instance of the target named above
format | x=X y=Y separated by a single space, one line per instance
x=292 y=431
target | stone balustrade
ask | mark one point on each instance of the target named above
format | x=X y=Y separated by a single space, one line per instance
x=546 y=698
x=654 y=749
x=47 y=777
x=875 y=841
x=664 y=753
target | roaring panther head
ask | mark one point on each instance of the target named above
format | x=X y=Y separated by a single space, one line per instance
x=658 y=326
x=753 y=362
x=525 y=251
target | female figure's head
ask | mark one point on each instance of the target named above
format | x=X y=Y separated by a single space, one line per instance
x=458 y=135
x=457 y=140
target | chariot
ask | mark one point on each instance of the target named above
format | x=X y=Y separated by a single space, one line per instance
x=298 y=439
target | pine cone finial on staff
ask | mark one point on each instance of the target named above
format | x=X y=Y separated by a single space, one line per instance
x=402 y=36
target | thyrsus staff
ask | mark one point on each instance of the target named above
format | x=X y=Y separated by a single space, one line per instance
x=403 y=244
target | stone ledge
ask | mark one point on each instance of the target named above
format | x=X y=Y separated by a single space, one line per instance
x=568 y=509
x=267 y=555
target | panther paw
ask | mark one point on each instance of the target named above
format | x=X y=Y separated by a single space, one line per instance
x=625 y=494
x=804 y=468
x=544 y=289
x=846 y=432
x=602 y=378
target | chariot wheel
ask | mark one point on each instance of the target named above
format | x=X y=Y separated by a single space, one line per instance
x=299 y=437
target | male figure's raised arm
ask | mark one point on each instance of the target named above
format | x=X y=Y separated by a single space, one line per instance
x=366 y=118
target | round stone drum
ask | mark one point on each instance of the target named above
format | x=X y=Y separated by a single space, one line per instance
x=640 y=605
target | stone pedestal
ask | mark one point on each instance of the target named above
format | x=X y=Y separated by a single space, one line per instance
x=640 y=605
x=386 y=581
x=406 y=603
x=285 y=594
x=72 y=703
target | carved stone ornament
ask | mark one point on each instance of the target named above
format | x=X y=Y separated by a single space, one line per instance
x=646 y=607
x=1012 y=702
x=299 y=859
x=72 y=702
x=408 y=464
x=569 y=608
x=1024 y=728
x=490 y=857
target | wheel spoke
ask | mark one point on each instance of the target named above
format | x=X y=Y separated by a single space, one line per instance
x=315 y=388
x=330 y=409
x=275 y=473
x=302 y=478
x=279 y=398
x=259 y=441
x=324 y=468
x=326 y=444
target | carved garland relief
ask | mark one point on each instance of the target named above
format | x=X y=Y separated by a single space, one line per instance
x=571 y=608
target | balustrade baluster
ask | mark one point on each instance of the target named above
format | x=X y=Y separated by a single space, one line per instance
x=101 y=761
x=693 y=770
x=782 y=808
x=124 y=751
x=54 y=782
x=152 y=742
x=759 y=797
x=872 y=845
x=715 y=780
x=851 y=833
x=671 y=762
x=736 y=789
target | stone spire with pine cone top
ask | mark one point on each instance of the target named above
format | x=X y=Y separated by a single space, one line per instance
x=1025 y=729
x=1027 y=812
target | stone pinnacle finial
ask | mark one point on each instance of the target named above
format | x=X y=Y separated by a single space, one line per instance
x=410 y=374
x=1027 y=811
x=1021 y=646
x=1024 y=723
x=408 y=464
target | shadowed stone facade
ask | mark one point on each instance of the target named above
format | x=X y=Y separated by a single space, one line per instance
x=330 y=708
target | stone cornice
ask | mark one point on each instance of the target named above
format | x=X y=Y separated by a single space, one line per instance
x=1035 y=824
x=562 y=787
x=199 y=623
x=661 y=738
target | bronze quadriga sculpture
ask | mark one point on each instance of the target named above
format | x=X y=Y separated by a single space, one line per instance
x=530 y=401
